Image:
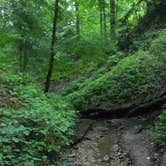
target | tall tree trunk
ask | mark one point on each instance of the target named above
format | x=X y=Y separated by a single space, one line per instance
x=20 y=48
x=66 y=16
x=101 y=17
x=53 y=42
x=105 y=22
x=25 y=56
x=112 y=19
x=77 y=19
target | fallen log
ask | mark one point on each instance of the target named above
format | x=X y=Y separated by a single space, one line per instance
x=126 y=110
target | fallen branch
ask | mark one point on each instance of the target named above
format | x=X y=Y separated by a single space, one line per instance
x=126 y=110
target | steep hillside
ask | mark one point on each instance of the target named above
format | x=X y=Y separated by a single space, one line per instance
x=136 y=79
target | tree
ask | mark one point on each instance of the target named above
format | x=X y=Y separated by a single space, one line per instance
x=53 y=42
x=112 y=19
x=26 y=27
x=101 y=17
x=105 y=20
x=77 y=19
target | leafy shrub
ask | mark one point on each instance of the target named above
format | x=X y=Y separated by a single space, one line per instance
x=28 y=135
x=135 y=79
x=158 y=46
x=144 y=41
x=92 y=74
x=160 y=129
x=39 y=126
x=20 y=85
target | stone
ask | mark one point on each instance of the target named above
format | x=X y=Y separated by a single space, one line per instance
x=106 y=158
x=82 y=126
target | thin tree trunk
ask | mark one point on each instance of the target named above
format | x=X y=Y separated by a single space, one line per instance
x=112 y=19
x=105 y=22
x=25 y=56
x=66 y=17
x=20 y=57
x=77 y=19
x=53 y=42
x=101 y=18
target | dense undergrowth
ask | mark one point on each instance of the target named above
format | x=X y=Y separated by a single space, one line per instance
x=160 y=129
x=137 y=78
x=33 y=125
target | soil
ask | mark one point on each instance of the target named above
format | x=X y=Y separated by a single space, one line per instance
x=117 y=142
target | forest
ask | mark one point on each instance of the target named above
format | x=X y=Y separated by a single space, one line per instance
x=82 y=83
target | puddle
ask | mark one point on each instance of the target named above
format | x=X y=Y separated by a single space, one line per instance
x=107 y=142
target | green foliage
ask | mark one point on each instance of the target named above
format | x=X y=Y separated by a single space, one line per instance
x=158 y=45
x=42 y=124
x=26 y=30
x=19 y=85
x=160 y=128
x=147 y=40
x=35 y=125
x=92 y=74
x=29 y=134
x=136 y=78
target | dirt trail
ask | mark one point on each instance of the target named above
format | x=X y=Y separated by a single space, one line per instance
x=138 y=144
x=118 y=142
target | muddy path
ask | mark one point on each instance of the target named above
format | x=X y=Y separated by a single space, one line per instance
x=117 y=142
